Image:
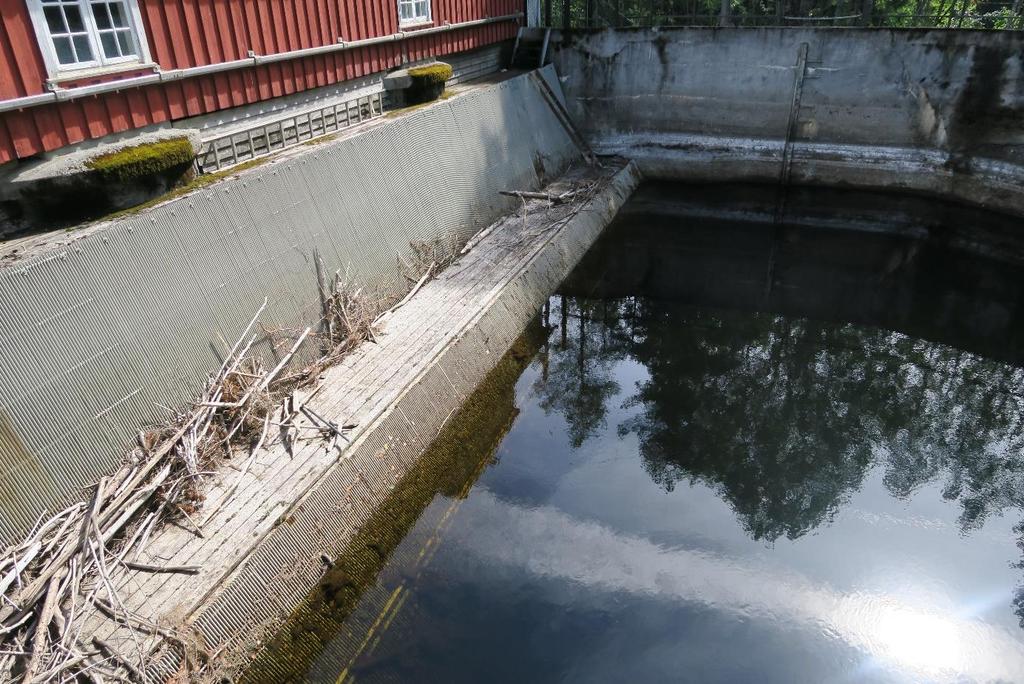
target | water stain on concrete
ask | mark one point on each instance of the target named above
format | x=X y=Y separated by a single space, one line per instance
x=24 y=478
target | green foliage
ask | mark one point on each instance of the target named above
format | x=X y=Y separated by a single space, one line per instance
x=975 y=14
x=430 y=74
x=141 y=161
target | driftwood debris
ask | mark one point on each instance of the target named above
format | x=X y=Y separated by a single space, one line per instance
x=554 y=199
x=572 y=200
x=67 y=568
x=64 y=570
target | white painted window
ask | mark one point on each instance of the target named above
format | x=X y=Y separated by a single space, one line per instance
x=88 y=34
x=413 y=12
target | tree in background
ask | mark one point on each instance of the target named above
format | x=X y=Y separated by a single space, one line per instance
x=973 y=14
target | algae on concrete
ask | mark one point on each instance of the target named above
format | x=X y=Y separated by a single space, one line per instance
x=140 y=161
x=449 y=467
x=431 y=73
x=427 y=82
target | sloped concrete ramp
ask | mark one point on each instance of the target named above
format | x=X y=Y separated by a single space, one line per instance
x=262 y=553
x=110 y=322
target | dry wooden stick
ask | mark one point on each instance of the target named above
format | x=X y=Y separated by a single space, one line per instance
x=142 y=496
x=42 y=626
x=148 y=525
x=554 y=199
x=21 y=620
x=111 y=653
x=416 y=288
x=196 y=527
x=136 y=622
x=231 y=354
x=19 y=565
x=267 y=379
x=475 y=240
x=104 y=574
x=179 y=569
x=75 y=659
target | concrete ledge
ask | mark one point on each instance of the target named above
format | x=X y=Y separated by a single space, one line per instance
x=65 y=189
x=993 y=184
x=404 y=429
x=928 y=111
x=105 y=324
x=261 y=554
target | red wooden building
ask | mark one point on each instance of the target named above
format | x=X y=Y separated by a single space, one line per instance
x=74 y=70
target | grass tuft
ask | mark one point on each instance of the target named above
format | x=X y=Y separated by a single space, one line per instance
x=430 y=74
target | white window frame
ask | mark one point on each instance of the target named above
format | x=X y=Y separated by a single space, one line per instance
x=415 y=20
x=99 y=63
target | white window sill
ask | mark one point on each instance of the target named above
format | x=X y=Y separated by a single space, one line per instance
x=79 y=74
x=416 y=24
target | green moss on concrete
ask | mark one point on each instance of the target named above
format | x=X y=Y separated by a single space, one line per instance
x=395 y=113
x=142 y=161
x=450 y=466
x=191 y=186
x=431 y=73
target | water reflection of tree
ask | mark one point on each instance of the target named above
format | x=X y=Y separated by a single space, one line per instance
x=785 y=416
x=577 y=380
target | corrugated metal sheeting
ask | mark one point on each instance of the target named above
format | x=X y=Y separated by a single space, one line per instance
x=189 y=33
x=98 y=334
x=286 y=564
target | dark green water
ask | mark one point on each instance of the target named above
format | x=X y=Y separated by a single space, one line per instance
x=739 y=454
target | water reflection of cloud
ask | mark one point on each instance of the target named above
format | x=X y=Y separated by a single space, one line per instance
x=918 y=639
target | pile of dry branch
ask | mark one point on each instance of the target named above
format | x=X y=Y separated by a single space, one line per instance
x=567 y=204
x=61 y=572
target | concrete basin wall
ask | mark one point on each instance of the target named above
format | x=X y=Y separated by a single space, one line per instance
x=122 y=318
x=930 y=111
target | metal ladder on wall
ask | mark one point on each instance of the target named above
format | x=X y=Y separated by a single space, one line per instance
x=531 y=47
x=791 y=129
x=564 y=118
x=786 y=167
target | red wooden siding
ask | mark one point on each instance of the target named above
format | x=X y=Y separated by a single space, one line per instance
x=188 y=33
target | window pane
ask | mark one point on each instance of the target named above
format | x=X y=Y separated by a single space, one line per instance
x=55 y=20
x=82 y=49
x=65 y=55
x=421 y=9
x=118 y=14
x=99 y=11
x=124 y=39
x=109 y=43
x=74 y=17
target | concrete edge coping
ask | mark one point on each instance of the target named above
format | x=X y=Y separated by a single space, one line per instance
x=237 y=616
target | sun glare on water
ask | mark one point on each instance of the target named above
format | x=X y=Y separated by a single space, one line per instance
x=925 y=642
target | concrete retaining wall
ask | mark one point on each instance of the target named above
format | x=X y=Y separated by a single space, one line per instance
x=923 y=110
x=101 y=332
x=347 y=494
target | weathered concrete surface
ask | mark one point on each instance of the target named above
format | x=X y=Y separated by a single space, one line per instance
x=62 y=188
x=923 y=110
x=261 y=554
x=104 y=327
